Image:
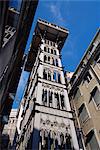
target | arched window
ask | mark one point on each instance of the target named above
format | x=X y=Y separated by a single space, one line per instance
x=59 y=78
x=44 y=97
x=53 y=62
x=49 y=75
x=62 y=141
x=57 y=100
x=45 y=41
x=45 y=58
x=54 y=76
x=62 y=101
x=56 y=62
x=48 y=59
x=51 y=51
x=51 y=43
x=68 y=141
x=48 y=50
x=50 y=99
x=54 y=52
x=44 y=74
x=45 y=49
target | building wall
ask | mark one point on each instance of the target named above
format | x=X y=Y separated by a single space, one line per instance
x=12 y=50
x=82 y=94
x=42 y=118
x=10 y=128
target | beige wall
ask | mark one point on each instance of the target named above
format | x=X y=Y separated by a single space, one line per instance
x=85 y=88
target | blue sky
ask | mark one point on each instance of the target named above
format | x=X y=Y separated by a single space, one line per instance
x=81 y=18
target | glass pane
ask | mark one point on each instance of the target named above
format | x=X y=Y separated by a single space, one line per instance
x=97 y=97
x=93 y=143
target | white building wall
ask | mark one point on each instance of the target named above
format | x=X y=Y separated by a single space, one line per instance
x=44 y=113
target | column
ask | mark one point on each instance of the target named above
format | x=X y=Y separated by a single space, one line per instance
x=39 y=93
x=53 y=99
x=59 y=100
x=59 y=62
x=47 y=97
x=62 y=77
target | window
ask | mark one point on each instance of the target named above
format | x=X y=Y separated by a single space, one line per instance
x=45 y=58
x=44 y=97
x=51 y=51
x=77 y=94
x=56 y=62
x=49 y=76
x=44 y=74
x=54 y=52
x=87 y=77
x=48 y=59
x=13 y=29
x=83 y=114
x=45 y=49
x=59 y=80
x=57 y=100
x=48 y=50
x=53 y=62
x=54 y=76
x=91 y=141
x=95 y=94
x=62 y=101
x=97 y=59
x=51 y=43
x=50 y=99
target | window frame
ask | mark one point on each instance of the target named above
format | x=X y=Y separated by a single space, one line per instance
x=92 y=132
x=92 y=97
x=85 y=119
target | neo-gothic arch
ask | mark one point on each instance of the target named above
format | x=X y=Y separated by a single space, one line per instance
x=53 y=138
x=51 y=60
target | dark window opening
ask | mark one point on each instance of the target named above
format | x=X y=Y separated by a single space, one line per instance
x=44 y=97
x=95 y=94
x=54 y=52
x=83 y=114
x=49 y=76
x=56 y=62
x=53 y=44
x=59 y=78
x=57 y=100
x=48 y=50
x=45 y=58
x=54 y=76
x=49 y=59
x=92 y=141
x=68 y=142
x=50 y=99
x=88 y=77
x=62 y=101
x=44 y=75
x=51 y=51
x=45 y=49
x=53 y=62
x=8 y=36
x=97 y=59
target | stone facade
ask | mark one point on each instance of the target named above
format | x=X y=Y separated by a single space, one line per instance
x=9 y=131
x=85 y=95
x=45 y=118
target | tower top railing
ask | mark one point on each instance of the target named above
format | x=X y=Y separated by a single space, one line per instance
x=53 y=25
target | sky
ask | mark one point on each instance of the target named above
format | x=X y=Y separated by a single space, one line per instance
x=81 y=18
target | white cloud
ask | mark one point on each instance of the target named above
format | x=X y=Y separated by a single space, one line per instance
x=55 y=10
